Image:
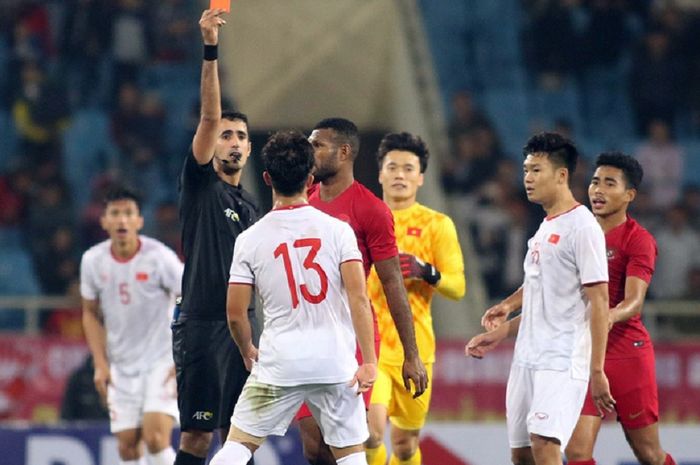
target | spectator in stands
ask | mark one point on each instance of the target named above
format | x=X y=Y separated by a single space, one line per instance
x=679 y=252
x=84 y=41
x=477 y=154
x=662 y=160
x=693 y=287
x=174 y=31
x=132 y=42
x=57 y=265
x=690 y=198
x=655 y=82
x=80 y=399
x=465 y=114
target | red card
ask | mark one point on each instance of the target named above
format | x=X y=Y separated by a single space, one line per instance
x=223 y=4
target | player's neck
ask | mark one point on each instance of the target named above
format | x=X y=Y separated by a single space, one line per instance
x=336 y=185
x=399 y=204
x=561 y=203
x=612 y=221
x=283 y=201
x=126 y=249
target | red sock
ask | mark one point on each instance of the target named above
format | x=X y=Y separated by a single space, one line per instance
x=584 y=462
x=669 y=460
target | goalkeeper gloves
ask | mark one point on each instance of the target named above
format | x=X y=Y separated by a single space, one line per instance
x=413 y=267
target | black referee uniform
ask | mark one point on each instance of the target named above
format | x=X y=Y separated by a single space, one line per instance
x=210 y=370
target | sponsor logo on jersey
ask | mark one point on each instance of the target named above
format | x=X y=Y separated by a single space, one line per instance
x=141 y=276
x=610 y=253
x=416 y=232
x=202 y=415
x=553 y=239
x=231 y=214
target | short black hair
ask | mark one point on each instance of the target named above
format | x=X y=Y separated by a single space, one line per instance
x=404 y=141
x=232 y=115
x=560 y=150
x=632 y=171
x=346 y=132
x=288 y=157
x=118 y=192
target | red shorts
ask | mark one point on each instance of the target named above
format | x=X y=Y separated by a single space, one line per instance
x=633 y=386
x=304 y=411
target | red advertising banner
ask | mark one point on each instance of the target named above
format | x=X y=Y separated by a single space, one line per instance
x=33 y=374
x=465 y=388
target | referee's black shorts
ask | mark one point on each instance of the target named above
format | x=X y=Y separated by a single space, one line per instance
x=210 y=372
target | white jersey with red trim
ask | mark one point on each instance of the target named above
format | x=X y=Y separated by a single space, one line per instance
x=292 y=256
x=566 y=253
x=136 y=297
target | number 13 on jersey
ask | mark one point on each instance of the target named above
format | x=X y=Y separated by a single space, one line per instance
x=313 y=245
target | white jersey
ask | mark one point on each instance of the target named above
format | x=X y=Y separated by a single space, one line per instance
x=136 y=297
x=293 y=256
x=566 y=253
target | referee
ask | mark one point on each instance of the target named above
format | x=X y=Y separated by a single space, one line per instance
x=214 y=210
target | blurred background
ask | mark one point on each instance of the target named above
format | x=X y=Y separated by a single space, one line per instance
x=94 y=92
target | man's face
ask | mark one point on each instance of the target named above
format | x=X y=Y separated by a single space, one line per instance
x=608 y=192
x=122 y=220
x=326 y=154
x=400 y=175
x=232 y=146
x=540 y=177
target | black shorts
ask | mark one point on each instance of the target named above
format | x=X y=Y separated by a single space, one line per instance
x=210 y=372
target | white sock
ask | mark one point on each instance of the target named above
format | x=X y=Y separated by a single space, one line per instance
x=357 y=458
x=164 y=457
x=233 y=453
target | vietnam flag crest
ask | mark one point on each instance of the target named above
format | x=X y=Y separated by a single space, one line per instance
x=412 y=231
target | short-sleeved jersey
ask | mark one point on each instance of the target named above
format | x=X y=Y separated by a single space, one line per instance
x=213 y=213
x=431 y=236
x=136 y=297
x=631 y=251
x=566 y=253
x=292 y=256
x=369 y=218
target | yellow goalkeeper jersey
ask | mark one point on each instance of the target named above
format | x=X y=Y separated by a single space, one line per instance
x=431 y=236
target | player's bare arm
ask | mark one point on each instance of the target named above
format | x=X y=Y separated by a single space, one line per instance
x=635 y=293
x=204 y=140
x=389 y=273
x=497 y=314
x=237 y=303
x=97 y=342
x=354 y=281
x=482 y=343
x=597 y=295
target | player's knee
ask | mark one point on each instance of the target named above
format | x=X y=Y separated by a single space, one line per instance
x=404 y=447
x=577 y=452
x=129 y=450
x=522 y=456
x=648 y=454
x=195 y=442
x=376 y=436
x=156 y=440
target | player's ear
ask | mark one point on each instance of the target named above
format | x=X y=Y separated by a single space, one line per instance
x=630 y=194
x=309 y=182
x=421 y=178
x=267 y=178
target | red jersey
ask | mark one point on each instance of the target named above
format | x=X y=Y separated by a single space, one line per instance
x=368 y=216
x=631 y=251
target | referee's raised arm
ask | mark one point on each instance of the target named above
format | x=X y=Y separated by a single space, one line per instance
x=204 y=140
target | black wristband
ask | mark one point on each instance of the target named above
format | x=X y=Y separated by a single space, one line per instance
x=431 y=275
x=211 y=52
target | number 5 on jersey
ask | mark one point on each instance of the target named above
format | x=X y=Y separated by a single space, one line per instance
x=314 y=244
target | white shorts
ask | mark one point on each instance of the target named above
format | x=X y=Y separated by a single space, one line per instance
x=263 y=410
x=129 y=396
x=543 y=402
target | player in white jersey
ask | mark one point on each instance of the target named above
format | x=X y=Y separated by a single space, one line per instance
x=128 y=284
x=307 y=269
x=562 y=330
